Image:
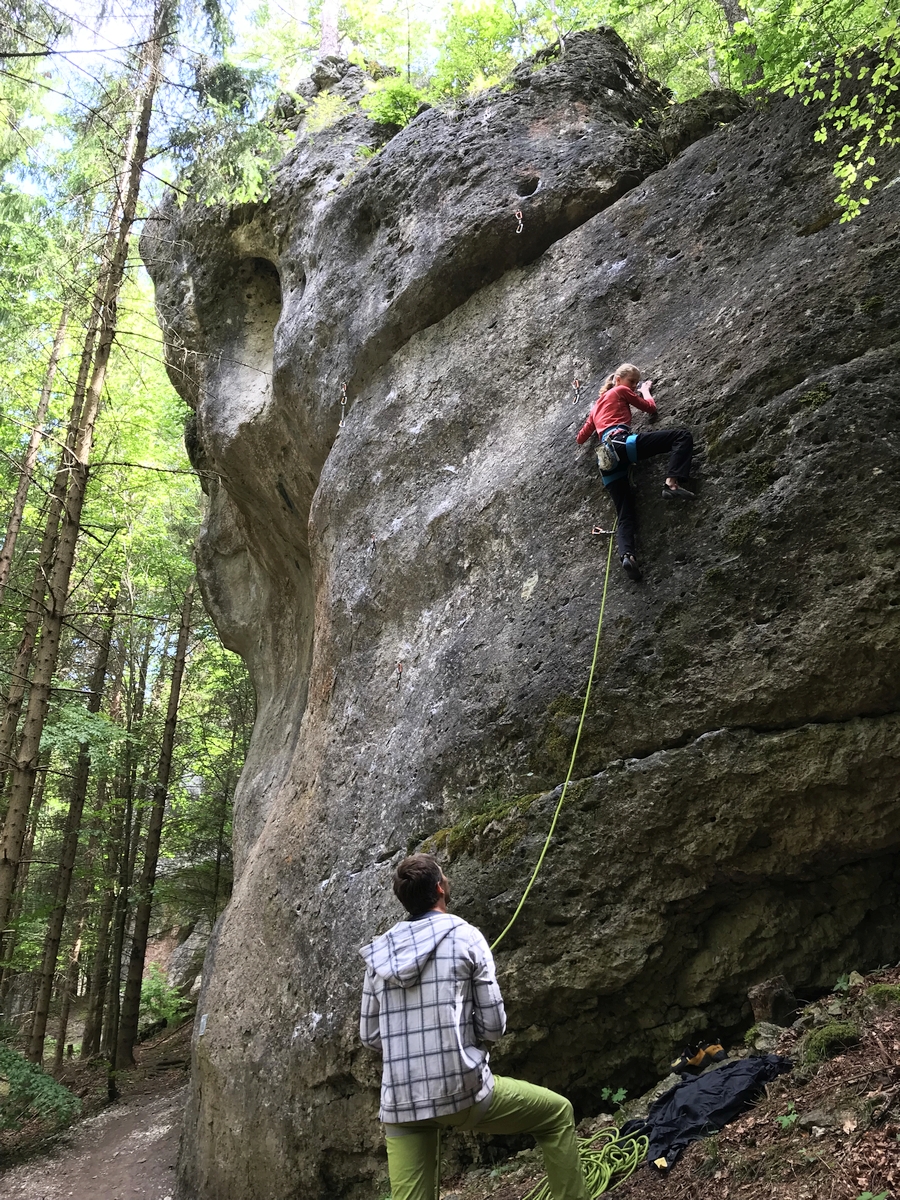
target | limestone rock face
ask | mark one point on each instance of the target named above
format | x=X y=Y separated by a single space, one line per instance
x=186 y=962
x=733 y=814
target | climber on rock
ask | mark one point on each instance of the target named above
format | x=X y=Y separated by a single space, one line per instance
x=431 y=1007
x=610 y=419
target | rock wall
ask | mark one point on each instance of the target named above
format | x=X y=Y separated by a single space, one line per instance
x=734 y=814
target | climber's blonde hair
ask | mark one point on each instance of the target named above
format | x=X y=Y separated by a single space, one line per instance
x=628 y=371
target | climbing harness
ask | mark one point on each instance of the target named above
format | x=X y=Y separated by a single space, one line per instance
x=608 y=460
x=565 y=786
x=343 y=405
x=606 y=1159
x=518 y=216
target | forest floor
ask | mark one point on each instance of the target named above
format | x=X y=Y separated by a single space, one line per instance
x=120 y=1151
x=825 y=1131
x=828 y=1131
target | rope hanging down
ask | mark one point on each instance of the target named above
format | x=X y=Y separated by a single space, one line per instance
x=562 y=797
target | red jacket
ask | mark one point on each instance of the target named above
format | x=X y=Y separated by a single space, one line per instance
x=613 y=408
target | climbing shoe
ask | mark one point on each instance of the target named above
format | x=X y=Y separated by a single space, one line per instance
x=677 y=493
x=630 y=567
x=695 y=1058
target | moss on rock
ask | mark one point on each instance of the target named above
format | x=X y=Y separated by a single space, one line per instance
x=830 y=1040
x=465 y=837
x=881 y=995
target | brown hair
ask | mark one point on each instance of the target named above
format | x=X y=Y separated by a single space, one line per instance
x=415 y=883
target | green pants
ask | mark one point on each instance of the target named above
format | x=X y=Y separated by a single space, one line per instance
x=515 y=1107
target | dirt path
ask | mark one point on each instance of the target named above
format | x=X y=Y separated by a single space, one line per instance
x=126 y=1152
x=121 y=1151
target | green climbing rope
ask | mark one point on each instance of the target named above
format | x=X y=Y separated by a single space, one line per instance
x=606 y=1159
x=565 y=786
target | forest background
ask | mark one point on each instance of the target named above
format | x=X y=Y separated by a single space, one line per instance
x=124 y=722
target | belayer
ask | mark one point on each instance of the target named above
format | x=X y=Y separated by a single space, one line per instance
x=610 y=419
x=432 y=1009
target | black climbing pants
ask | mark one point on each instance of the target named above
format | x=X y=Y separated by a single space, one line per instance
x=679 y=444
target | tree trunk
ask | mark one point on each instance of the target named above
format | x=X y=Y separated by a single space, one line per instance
x=735 y=12
x=68 y=990
x=111 y=840
x=131 y=1001
x=70 y=847
x=18 y=508
x=46 y=554
x=70 y=980
x=329 y=41
x=8 y=941
x=130 y=827
x=76 y=463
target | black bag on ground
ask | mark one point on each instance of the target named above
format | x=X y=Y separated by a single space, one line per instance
x=697 y=1107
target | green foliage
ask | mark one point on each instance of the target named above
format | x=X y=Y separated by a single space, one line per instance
x=872 y=1196
x=859 y=88
x=324 y=111
x=392 y=101
x=227 y=149
x=26 y=28
x=159 y=1002
x=478 y=48
x=72 y=727
x=26 y=1091
x=682 y=44
x=223 y=85
x=789 y=1119
x=616 y=1097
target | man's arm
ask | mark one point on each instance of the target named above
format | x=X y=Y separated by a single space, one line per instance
x=369 y=1029
x=489 y=1015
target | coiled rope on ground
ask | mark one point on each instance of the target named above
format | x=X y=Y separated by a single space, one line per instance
x=606 y=1159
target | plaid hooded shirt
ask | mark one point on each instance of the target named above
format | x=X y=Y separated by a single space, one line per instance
x=430 y=1000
